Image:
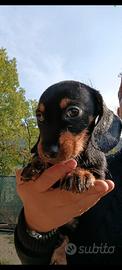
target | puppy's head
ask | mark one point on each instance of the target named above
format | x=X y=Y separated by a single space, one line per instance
x=67 y=115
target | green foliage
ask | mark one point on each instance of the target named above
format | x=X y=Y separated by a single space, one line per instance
x=16 y=138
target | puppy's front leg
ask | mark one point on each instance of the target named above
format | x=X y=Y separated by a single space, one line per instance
x=33 y=169
x=78 y=181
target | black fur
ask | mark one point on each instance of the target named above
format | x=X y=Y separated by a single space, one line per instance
x=102 y=136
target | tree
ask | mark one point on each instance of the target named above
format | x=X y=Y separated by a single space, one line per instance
x=30 y=131
x=14 y=108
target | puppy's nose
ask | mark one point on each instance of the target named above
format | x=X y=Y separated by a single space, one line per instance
x=51 y=151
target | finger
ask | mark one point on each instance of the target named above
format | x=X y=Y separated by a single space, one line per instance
x=111 y=185
x=92 y=196
x=53 y=174
x=101 y=186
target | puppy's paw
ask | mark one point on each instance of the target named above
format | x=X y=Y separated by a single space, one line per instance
x=33 y=170
x=79 y=181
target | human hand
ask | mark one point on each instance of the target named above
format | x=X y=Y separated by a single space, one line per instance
x=46 y=208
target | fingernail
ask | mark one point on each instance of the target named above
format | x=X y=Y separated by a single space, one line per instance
x=101 y=188
x=72 y=163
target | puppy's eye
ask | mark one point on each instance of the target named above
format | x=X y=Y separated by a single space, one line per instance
x=72 y=112
x=40 y=117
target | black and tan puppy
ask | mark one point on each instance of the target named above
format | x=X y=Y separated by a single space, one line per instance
x=74 y=123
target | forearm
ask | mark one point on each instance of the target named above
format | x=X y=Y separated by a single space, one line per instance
x=31 y=250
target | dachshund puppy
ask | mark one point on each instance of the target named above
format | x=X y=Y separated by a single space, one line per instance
x=73 y=122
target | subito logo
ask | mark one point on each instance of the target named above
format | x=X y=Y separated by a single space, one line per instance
x=70 y=249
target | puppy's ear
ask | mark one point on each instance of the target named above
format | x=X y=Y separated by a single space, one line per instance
x=107 y=130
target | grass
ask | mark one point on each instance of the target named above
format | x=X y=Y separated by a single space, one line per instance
x=4 y=261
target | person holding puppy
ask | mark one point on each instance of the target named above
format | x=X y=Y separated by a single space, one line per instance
x=46 y=210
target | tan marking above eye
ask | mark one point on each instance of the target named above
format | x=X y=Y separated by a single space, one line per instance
x=39 y=112
x=64 y=102
x=41 y=107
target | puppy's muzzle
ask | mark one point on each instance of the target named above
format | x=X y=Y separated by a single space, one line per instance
x=50 y=151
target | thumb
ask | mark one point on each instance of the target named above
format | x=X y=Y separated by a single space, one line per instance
x=53 y=174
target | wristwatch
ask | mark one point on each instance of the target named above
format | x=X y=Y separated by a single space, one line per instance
x=41 y=235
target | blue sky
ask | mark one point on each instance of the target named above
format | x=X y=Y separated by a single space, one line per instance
x=62 y=42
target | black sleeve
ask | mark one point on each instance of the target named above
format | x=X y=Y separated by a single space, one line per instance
x=31 y=250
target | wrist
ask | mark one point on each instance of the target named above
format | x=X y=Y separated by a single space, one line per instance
x=32 y=244
x=42 y=235
x=34 y=230
x=38 y=226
